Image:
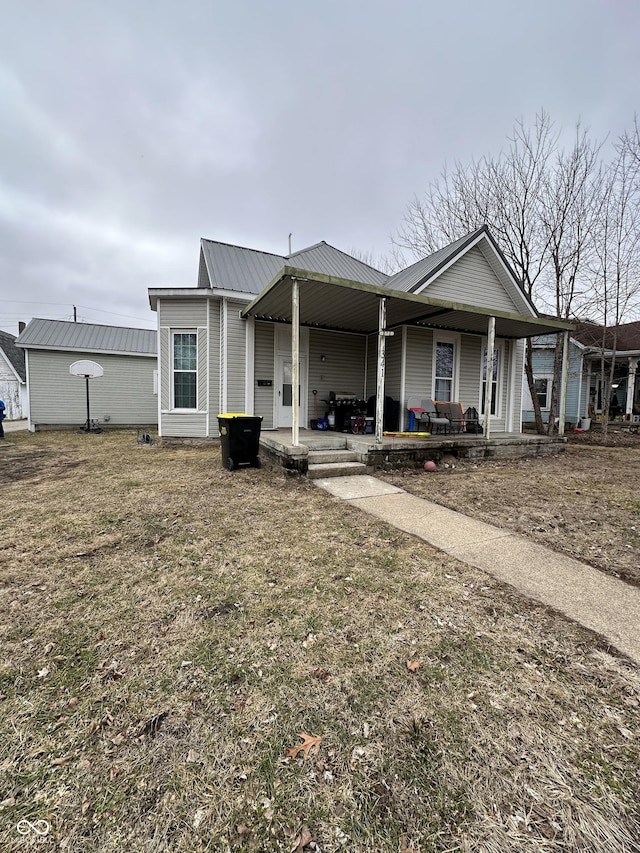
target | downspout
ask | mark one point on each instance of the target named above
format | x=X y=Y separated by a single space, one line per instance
x=295 y=363
x=563 y=382
x=383 y=334
x=488 y=384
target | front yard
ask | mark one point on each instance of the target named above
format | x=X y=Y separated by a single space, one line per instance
x=169 y=630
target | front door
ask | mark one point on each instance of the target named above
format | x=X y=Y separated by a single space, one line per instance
x=284 y=391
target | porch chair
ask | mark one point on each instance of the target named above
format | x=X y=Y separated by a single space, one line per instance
x=472 y=420
x=435 y=421
x=454 y=414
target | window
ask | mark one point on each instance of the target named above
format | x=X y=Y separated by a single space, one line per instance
x=185 y=359
x=495 y=380
x=542 y=389
x=444 y=373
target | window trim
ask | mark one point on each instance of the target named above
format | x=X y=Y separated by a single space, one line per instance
x=175 y=332
x=446 y=338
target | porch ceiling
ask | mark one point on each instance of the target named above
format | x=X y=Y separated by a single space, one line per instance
x=341 y=305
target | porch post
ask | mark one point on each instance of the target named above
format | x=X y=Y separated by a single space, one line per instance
x=295 y=363
x=382 y=335
x=488 y=385
x=631 y=387
x=563 y=382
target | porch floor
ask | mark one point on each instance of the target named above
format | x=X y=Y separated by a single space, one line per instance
x=405 y=450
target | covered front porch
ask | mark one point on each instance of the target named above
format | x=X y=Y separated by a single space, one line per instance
x=398 y=323
x=315 y=450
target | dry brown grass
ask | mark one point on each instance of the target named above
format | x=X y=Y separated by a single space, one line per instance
x=169 y=628
x=584 y=502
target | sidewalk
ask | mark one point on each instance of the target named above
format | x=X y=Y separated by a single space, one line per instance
x=593 y=599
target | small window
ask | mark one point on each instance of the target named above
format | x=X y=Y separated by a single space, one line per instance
x=445 y=356
x=185 y=362
x=542 y=387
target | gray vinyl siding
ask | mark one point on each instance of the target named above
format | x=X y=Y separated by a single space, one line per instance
x=264 y=369
x=341 y=372
x=419 y=364
x=472 y=281
x=236 y=330
x=520 y=347
x=372 y=365
x=469 y=371
x=124 y=393
x=213 y=364
x=182 y=313
x=393 y=366
x=184 y=425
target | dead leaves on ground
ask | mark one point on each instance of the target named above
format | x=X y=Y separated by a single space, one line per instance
x=310 y=745
x=413 y=665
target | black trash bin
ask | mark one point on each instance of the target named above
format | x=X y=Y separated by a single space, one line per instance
x=239 y=439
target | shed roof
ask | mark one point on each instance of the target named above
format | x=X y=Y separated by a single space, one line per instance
x=250 y=270
x=14 y=355
x=338 y=304
x=87 y=337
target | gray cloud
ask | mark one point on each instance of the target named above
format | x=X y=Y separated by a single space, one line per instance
x=130 y=130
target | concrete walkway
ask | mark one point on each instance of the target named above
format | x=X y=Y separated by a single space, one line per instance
x=593 y=599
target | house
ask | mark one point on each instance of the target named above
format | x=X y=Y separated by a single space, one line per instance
x=257 y=325
x=126 y=395
x=13 y=378
x=588 y=344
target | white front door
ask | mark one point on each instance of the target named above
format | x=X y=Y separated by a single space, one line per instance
x=284 y=391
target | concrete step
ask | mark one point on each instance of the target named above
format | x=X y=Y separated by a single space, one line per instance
x=325 y=441
x=318 y=457
x=335 y=469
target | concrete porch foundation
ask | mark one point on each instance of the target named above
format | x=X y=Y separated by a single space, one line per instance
x=400 y=451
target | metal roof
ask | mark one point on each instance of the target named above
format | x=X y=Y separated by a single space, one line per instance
x=63 y=335
x=250 y=271
x=14 y=355
x=412 y=277
x=326 y=259
x=342 y=305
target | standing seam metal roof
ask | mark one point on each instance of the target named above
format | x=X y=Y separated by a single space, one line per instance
x=250 y=271
x=64 y=335
x=415 y=275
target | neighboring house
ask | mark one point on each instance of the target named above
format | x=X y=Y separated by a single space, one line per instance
x=13 y=378
x=229 y=344
x=126 y=395
x=587 y=344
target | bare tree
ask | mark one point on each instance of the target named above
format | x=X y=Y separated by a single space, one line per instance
x=504 y=191
x=616 y=268
x=569 y=222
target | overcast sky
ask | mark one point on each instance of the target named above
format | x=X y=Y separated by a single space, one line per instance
x=131 y=128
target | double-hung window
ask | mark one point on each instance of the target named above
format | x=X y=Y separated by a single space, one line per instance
x=185 y=369
x=445 y=353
